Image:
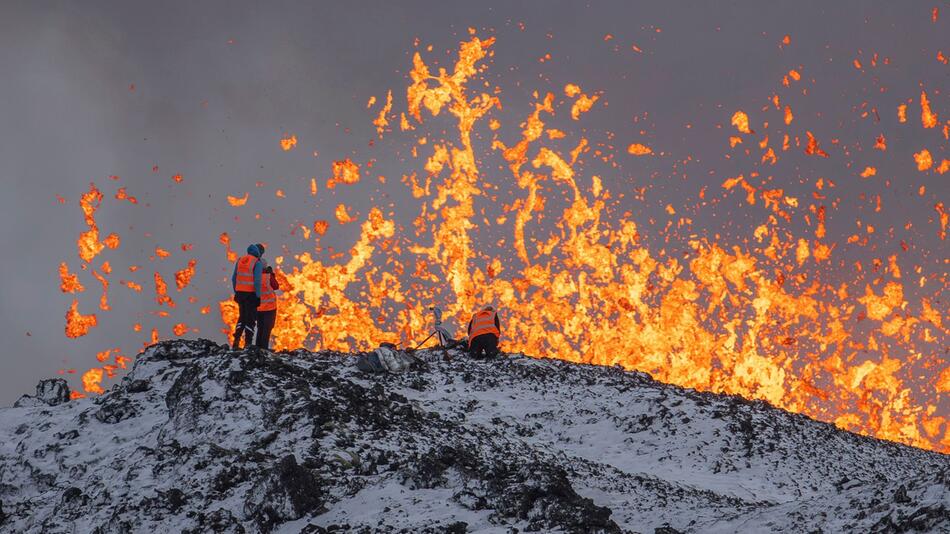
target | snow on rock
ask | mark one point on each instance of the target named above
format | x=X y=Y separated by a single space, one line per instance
x=51 y=391
x=198 y=438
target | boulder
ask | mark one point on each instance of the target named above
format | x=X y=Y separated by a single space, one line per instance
x=53 y=391
x=115 y=409
x=285 y=493
x=50 y=392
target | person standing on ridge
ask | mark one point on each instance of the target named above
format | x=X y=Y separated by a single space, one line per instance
x=246 y=281
x=483 y=333
x=267 y=311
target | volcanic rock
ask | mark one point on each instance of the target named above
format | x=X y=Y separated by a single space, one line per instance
x=286 y=492
x=50 y=391
x=199 y=438
x=53 y=391
x=114 y=408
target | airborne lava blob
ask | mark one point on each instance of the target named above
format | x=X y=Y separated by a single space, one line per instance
x=580 y=277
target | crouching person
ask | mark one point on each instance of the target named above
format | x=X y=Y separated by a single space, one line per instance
x=267 y=311
x=483 y=333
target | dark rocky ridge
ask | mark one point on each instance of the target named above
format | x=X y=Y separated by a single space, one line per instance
x=198 y=438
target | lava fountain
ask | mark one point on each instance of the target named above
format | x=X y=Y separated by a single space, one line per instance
x=578 y=274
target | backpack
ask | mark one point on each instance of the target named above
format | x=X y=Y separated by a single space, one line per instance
x=369 y=363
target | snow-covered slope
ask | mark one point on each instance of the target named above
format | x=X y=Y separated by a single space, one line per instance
x=198 y=438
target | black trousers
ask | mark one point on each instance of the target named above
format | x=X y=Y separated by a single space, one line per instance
x=247 y=301
x=265 y=323
x=484 y=346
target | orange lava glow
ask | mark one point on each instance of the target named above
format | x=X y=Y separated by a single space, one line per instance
x=104 y=299
x=184 y=276
x=121 y=194
x=161 y=291
x=927 y=118
x=69 y=283
x=288 y=142
x=92 y=379
x=924 y=160
x=813 y=149
x=774 y=314
x=741 y=121
x=225 y=240
x=381 y=122
x=88 y=242
x=131 y=285
x=344 y=172
x=583 y=104
x=78 y=325
x=637 y=149
x=238 y=201
x=342 y=216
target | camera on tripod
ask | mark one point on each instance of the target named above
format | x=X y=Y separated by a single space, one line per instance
x=436 y=314
x=438 y=330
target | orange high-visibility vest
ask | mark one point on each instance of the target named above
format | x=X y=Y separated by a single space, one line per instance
x=244 y=280
x=483 y=322
x=268 y=295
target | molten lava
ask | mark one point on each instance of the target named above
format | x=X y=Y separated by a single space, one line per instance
x=238 y=201
x=69 y=282
x=78 y=325
x=288 y=142
x=344 y=172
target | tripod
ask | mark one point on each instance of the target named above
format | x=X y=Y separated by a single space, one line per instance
x=438 y=330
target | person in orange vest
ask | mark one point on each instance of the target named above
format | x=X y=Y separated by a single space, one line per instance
x=483 y=333
x=246 y=281
x=267 y=311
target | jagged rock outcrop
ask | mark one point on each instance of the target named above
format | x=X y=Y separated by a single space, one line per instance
x=198 y=438
x=51 y=391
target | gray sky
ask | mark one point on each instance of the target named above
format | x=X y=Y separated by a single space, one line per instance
x=217 y=84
